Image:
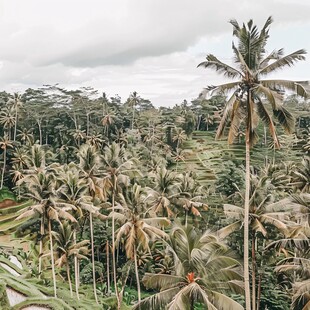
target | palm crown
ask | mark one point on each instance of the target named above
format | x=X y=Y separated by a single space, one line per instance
x=253 y=64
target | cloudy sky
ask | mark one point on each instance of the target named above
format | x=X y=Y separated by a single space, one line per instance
x=149 y=46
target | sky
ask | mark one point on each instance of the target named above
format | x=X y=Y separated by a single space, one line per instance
x=152 y=47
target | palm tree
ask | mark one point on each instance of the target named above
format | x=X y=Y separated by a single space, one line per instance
x=179 y=136
x=301 y=176
x=116 y=167
x=5 y=143
x=7 y=119
x=16 y=103
x=134 y=100
x=166 y=188
x=191 y=195
x=204 y=271
x=246 y=104
x=25 y=136
x=263 y=212
x=67 y=247
x=42 y=189
x=80 y=189
x=136 y=229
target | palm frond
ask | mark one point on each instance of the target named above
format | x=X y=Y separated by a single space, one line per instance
x=276 y=54
x=285 y=61
x=226 y=116
x=161 y=281
x=214 y=63
x=229 y=229
x=301 y=88
x=285 y=118
x=265 y=117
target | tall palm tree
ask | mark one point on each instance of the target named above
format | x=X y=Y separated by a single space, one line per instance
x=263 y=212
x=134 y=100
x=81 y=188
x=204 y=271
x=67 y=247
x=246 y=104
x=136 y=229
x=116 y=167
x=165 y=185
x=7 y=119
x=42 y=189
x=5 y=143
x=16 y=104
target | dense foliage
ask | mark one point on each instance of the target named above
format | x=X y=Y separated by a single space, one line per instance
x=123 y=204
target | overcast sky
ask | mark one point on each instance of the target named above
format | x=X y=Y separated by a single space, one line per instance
x=149 y=46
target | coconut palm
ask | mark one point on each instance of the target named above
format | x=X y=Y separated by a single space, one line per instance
x=42 y=190
x=116 y=168
x=263 y=212
x=165 y=185
x=179 y=136
x=25 y=136
x=5 y=143
x=246 y=104
x=204 y=271
x=133 y=101
x=16 y=104
x=67 y=247
x=7 y=119
x=136 y=230
x=79 y=188
x=301 y=176
x=191 y=196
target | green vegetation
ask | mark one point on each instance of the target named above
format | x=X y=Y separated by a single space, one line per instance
x=120 y=205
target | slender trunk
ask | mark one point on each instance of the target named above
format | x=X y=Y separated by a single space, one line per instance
x=246 y=223
x=52 y=256
x=93 y=254
x=265 y=136
x=137 y=273
x=259 y=286
x=87 y=124
x=124 y=281
x=253 y=272
x=113 y=245
x=40 y=132
x=199 y=121
x=15 y=125
x=76 y=271
x=41 y=245
x=108 y=266
x=186 y=214
x=3 y=168
x=133 y=116
x=69 y=278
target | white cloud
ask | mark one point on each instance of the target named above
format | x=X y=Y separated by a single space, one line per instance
x=119 y=46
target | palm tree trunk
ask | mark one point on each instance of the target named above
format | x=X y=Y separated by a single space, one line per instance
x=113 y=245
x=137 y=273
x=108 y=266
x=133 y=116
x=40 y=132
x=69 y=279
x=76 y=271
x=15 y=125
x=52 y=256
x=246 y=223
x=259 y=291
x=3 y=169
x=93 y=255
x=253 y=272
x=41 y=245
